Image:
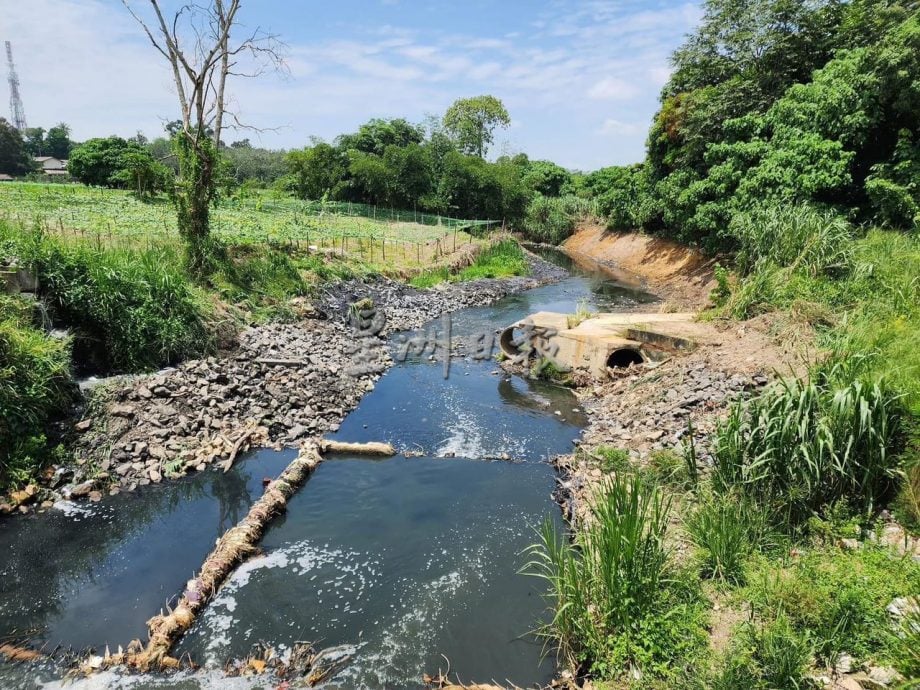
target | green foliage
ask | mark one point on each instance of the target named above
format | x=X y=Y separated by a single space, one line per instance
x=803 y=445
x=800 y=238
x=546 y=178
x=906 y=641
x=35 y=387
x=472 y=123
x=500 y=259
x=195 y=190
x=552 y=220
x=57 y=142
x=836 y=599
x=768 y=656
x=129 y=310
x=115 y=162
x=725 y=530
x=614 y=605
x=612 y=460
x=14 y=157
x=783 y=103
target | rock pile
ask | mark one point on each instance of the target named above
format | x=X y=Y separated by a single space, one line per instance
x=285 y=382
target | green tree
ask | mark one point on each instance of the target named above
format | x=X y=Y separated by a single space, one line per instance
x=35 y=141
x=14 y=158
x=546 y=178
x=376 y=135
x=115 y=162
x=472 y=122
x=201 y=65
x=139 y=172
x=317 y=170
x=57 y=141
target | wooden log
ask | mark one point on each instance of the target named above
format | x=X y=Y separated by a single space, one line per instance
x=378 y=449
x=233 y=548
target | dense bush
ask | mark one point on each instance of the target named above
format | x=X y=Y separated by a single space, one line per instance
x=780 y=103
x=35 y=386
x=115 y=162
x=552 y=220
x=804 y=445
x=129 y=310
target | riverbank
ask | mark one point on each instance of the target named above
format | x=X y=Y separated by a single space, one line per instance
x=282 y=384
x=769 y=477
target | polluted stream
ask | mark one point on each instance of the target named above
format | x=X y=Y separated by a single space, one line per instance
x=406 y=564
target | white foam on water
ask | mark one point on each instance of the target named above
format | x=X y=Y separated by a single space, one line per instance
x=352 y=575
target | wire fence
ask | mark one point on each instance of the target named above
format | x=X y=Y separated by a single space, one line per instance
x=109 y=218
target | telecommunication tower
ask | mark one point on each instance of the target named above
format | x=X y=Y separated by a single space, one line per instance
x=19 y=114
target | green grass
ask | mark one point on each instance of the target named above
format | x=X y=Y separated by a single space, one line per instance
x=726 y=530
x=129 y=310
x=501 y=259
x=616 y=603
x=112 y=216
x=35 y=387
x=836 y=599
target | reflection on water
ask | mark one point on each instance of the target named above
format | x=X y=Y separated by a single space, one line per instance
x=404 y=559
x=87 y=575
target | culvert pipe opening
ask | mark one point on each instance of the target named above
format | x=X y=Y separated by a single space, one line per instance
x=509 y=342
x=624 y=357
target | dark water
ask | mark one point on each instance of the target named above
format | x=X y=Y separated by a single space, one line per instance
x=402 y=560
x=92 y=574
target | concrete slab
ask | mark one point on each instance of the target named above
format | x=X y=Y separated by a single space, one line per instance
x=603 y=341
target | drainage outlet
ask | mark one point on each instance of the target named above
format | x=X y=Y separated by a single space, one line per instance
x=623 y=358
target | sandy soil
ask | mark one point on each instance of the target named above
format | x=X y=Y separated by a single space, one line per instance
x=682 y=276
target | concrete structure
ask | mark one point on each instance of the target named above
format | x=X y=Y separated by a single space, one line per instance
x=604 y=341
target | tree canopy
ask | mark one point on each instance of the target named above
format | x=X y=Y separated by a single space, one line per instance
x=472 y=123
x=14 y=158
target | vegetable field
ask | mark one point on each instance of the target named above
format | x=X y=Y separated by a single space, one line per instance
x=114 y=217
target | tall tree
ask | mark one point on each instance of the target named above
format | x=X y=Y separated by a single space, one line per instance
x=35 y=141
x=14 y=159
x=57 y=141
x=198 y=44
x=472 y=122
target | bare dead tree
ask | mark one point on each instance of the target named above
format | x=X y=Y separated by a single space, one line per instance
x=199 y=45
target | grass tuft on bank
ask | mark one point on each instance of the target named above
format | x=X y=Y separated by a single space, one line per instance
x=502 y=259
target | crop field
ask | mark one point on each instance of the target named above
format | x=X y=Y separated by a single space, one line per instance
x=115 y=217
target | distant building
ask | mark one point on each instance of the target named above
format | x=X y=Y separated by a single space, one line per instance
x=51 y=166
x=5 y=178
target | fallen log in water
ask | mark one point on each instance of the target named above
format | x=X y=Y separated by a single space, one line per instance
x=232 y=548
x=379 y=449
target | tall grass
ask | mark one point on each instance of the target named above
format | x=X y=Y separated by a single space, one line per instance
x=605 y=583
x=800 y=238
x=726 y=530
x=806 y=444
x=129 y=310
x=35 y=386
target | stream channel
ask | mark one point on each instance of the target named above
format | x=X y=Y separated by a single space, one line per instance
x=402 y=560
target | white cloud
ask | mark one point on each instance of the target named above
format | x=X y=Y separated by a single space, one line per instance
x=611 y=127
x=605 y=64
x=612 y=89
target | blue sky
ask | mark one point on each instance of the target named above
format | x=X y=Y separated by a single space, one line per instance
x=580 y=79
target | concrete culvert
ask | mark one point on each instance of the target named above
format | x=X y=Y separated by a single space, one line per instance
x=508 y=340
x=624 y=357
